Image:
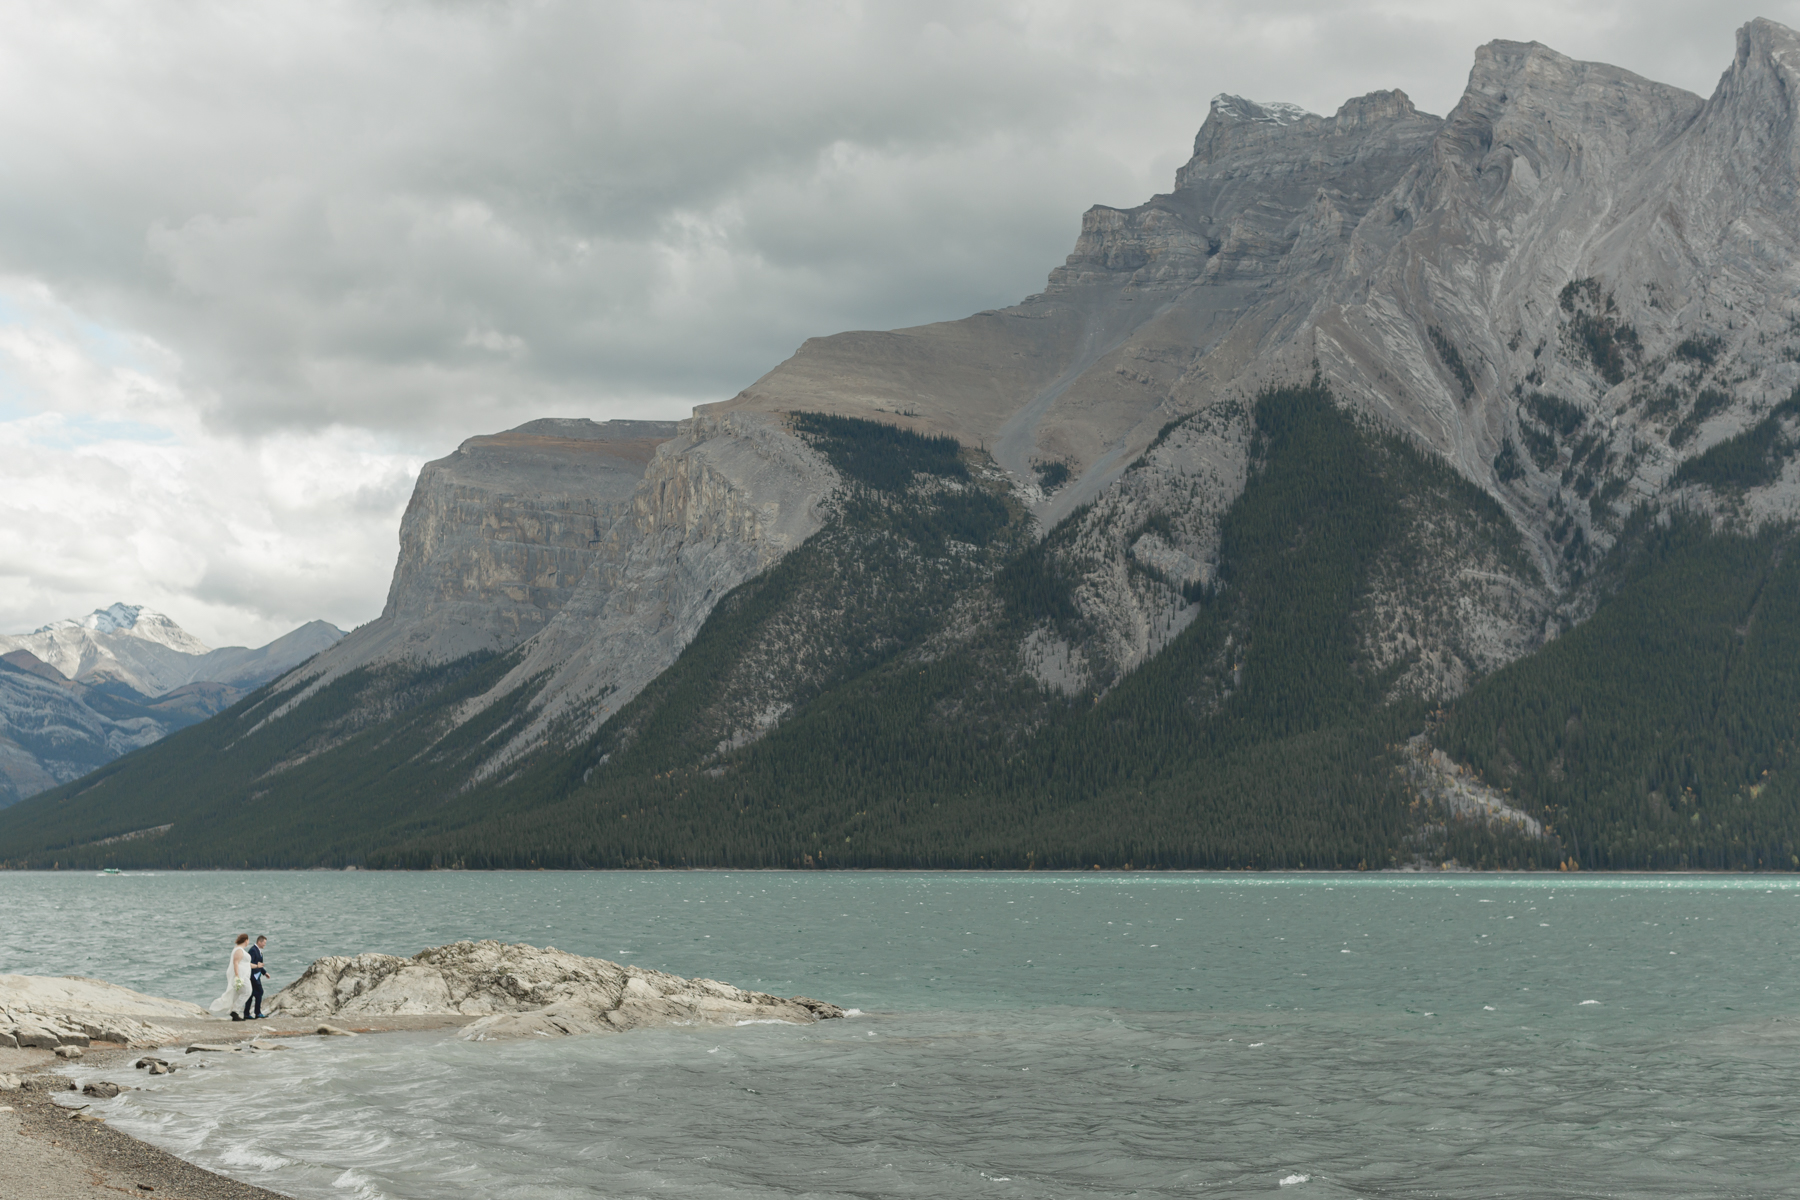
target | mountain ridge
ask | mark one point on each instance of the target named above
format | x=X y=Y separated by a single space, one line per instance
x=1570 y=299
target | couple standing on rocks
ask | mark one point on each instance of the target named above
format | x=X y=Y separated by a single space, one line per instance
x=244 y=979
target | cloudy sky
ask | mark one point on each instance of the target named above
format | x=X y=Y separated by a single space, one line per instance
x=259 y=260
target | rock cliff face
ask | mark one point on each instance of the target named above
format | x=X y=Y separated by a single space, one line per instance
x=1582 y=234
x=1158 y=307
x=499 y=535
x=522 y=991
x=718 y=504
x=596 y=552
x=1264 y=181
x=1164 y=311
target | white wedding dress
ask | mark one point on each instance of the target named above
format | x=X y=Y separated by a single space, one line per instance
x=237 y=983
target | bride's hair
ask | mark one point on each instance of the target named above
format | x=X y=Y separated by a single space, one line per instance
x=242 y=938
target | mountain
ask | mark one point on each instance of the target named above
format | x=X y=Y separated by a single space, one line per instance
x=80 y=692
x=145 y=651
x=1395 y=488
x=125 y=643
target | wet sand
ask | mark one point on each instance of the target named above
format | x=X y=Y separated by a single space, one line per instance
x=48 y=1153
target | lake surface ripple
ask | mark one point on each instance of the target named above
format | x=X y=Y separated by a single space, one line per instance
x=1021 y=1035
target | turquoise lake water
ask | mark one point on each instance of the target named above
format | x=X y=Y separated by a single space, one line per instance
x=1022 y=1034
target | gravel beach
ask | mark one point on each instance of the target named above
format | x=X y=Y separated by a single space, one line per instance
x=48 y=1153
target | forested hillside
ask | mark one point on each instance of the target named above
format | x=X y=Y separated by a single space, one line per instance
x=1260 y=737
x=865 y=703
x=1661 y=732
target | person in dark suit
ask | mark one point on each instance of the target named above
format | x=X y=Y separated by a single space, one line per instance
x=258 y=973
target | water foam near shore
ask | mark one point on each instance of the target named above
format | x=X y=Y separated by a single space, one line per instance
x=1070 y=1102
x=1063 y=1036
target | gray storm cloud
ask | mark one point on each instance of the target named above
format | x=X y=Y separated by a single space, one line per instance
x=389 y=226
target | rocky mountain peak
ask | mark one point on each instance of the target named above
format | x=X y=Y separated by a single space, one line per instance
x=121 y=620
x=1577 y=291
x=1530 y=78
x=1373 y=108
x=1234 y=124
x=1536 y=137
x=1751 y=115
x=1765 y=45
x=1503 y=63
x=114 y=618
x=1227 y=107
x=1264 y=140
x=584 y=430
x=149 y=653
x=79 y=692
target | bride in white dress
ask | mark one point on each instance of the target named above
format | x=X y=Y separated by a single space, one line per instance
x=237 y=979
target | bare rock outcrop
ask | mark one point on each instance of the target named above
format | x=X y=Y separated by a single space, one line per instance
x=51 y=1012
x=523 y=991
x=1435 y=776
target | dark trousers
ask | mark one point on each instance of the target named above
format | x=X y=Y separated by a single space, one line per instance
x=255 y=997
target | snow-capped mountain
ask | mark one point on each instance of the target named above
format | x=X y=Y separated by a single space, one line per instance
x=134 y=619
x=80 y=692
x=151 y=654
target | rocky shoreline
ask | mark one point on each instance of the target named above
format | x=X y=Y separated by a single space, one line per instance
x=521 y=991
x=40 y=1012
x=53 y=1148
x=54 y=1151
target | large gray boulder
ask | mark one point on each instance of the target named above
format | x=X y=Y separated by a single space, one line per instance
x=524 y=991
